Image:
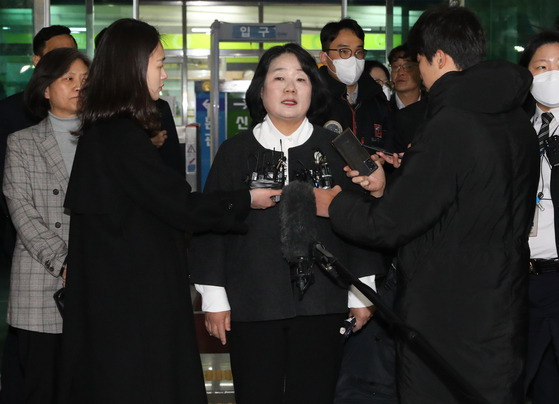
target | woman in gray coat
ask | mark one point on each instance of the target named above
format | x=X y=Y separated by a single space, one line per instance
x=38 y=164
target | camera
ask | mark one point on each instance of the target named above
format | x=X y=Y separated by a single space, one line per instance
x=552 y=150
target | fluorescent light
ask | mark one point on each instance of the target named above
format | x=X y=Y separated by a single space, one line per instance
x=519 y=48
x=24 y=69
x=206 y=31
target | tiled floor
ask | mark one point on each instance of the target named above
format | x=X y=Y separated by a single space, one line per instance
x=217 y=374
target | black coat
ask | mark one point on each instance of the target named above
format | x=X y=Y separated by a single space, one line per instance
x=251 y=266
x=407 y=122
x=460 y=209
x=369 y=118
x=128 y=328
x=170 y=151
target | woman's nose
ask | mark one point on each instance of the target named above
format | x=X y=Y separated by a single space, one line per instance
x=290 y=86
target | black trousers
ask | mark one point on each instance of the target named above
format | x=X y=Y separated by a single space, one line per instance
x=542 y=362
x=286 y=361
x=368 y=370
x=39 y=354
x=11 y=373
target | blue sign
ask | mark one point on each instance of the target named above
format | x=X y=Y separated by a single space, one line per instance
x=203 y=118
x=254 y=32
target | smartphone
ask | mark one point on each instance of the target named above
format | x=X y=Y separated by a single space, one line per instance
x=378 y=149
x=353 y=152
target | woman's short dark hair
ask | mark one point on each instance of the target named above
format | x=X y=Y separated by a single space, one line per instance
x=52 y=66
x=456 y=31
x=372 y=64
x=308 y=64
x=536 y=42
x=117 y=81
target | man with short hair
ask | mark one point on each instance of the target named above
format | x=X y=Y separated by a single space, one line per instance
x=405 y=76
x=459 y=210
x=408 y=102
x=356 y=100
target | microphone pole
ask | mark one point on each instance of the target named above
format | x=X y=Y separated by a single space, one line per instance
x=459 y=386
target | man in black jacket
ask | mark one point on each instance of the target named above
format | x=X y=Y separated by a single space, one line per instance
x=356 y=101
x=459 y=209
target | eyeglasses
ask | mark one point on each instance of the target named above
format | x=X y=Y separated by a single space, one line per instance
x=346 y=53
x=406 y=66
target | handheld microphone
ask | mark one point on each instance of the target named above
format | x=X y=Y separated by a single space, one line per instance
x=297 y=211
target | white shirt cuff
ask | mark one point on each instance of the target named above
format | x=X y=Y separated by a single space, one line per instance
x=356 y=299
x=214 y=298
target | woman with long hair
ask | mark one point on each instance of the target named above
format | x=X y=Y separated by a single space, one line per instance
x=128 y=332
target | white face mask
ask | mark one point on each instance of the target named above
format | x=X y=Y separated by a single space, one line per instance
x=349 y=70
x=545 y=88
x=387 y=91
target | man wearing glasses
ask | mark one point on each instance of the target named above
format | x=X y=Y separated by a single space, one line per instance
x=405 y=76
x=409 y=100
x=356 y=100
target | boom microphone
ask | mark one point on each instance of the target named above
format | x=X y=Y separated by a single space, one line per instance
x=297 y=211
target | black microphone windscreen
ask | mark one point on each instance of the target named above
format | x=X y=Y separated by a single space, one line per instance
x=297 y=212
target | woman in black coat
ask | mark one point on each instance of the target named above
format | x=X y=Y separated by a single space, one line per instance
x=128 y=329
x=284 y=339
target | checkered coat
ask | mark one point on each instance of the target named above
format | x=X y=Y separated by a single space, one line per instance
x=35 y=182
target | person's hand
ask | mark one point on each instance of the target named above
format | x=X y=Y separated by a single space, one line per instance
x=159 y=139
x=324 y=199
x=374 y=183
x=362 y=316
x=263 y=198
x=394 y=159
x=217 y=324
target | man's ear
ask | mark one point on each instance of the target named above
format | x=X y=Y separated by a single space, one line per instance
x=36 y=59
x=323 y=57
x=441 y=59
x=445 y=61
x=47 y=94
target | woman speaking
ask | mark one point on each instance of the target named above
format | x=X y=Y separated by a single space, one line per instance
x=281 y=319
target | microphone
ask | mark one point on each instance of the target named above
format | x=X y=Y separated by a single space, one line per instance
x=297 y=211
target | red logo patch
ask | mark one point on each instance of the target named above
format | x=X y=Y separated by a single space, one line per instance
x=378 y=131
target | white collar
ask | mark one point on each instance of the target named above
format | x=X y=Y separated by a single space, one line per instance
x=271 y=138
x=538 y=115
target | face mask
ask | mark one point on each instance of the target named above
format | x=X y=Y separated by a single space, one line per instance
x=545 y=88
x=349 y=70
x=387 y=91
